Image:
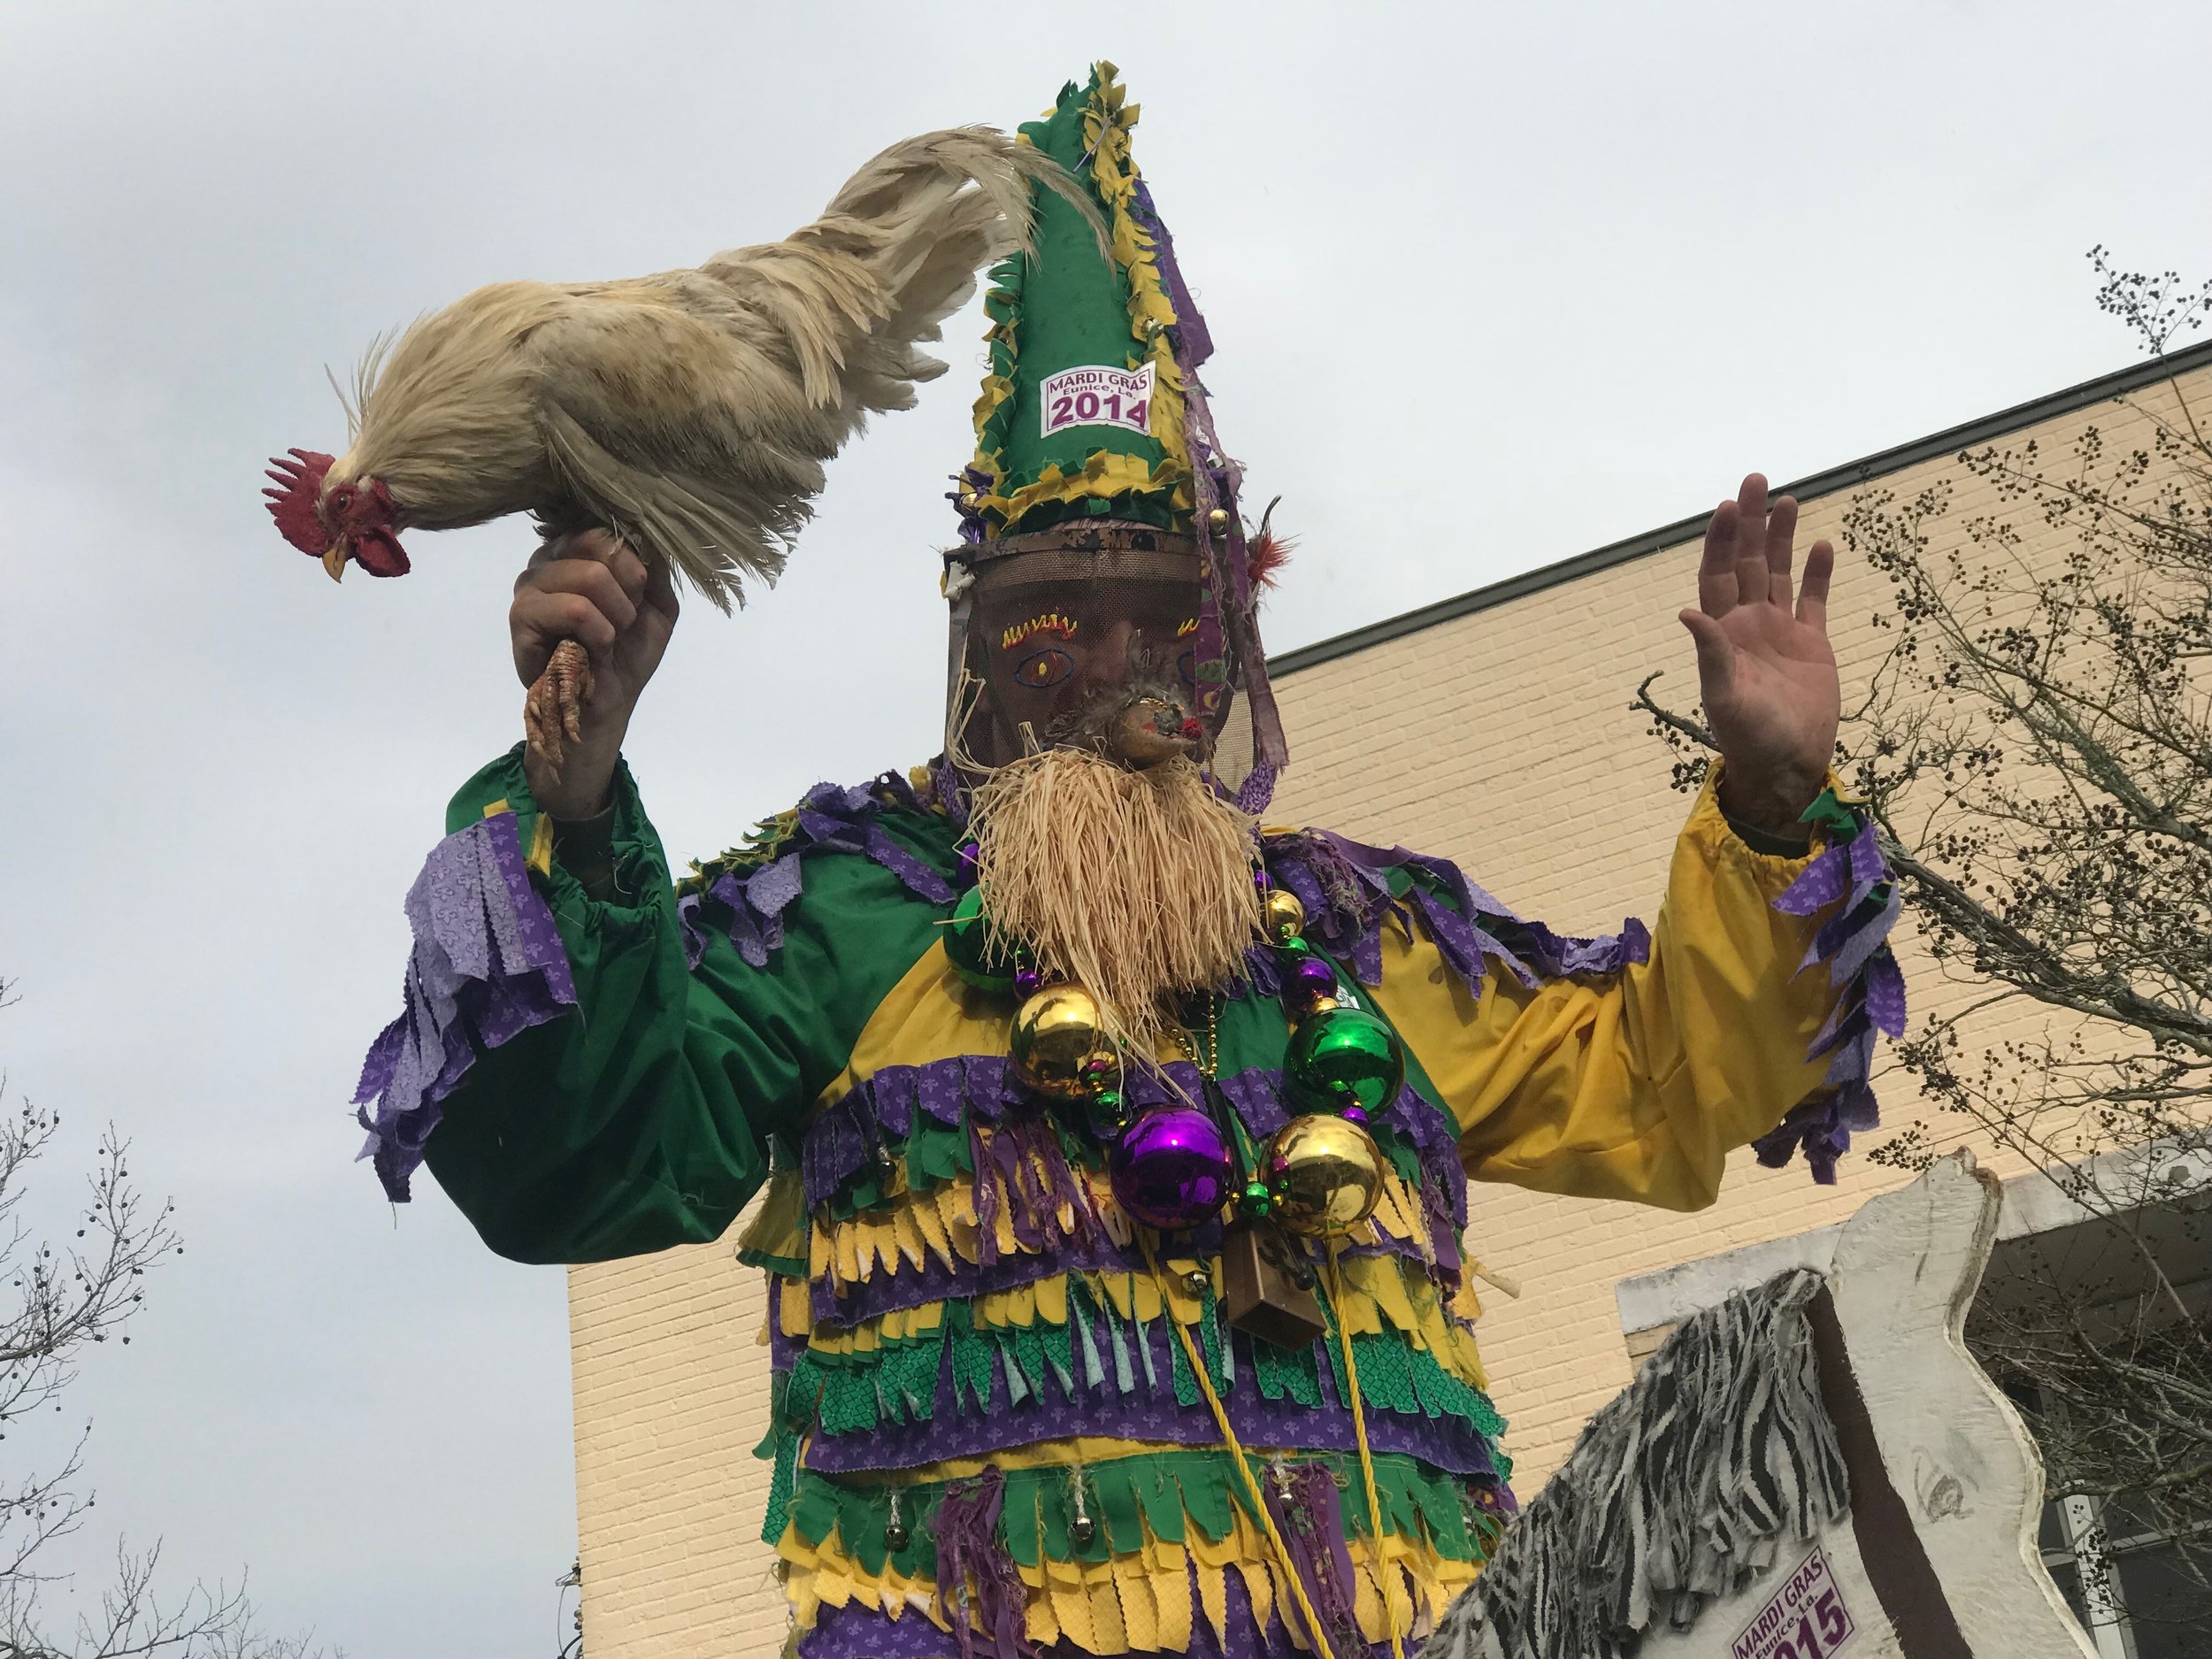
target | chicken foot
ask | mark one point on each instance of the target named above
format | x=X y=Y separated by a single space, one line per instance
x=552 y=713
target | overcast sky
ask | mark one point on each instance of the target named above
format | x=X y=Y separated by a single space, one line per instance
x=1491 y=285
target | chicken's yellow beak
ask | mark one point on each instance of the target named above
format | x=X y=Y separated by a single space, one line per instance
x=334 y=561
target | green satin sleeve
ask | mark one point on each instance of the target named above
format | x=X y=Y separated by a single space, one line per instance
x=642 y=1120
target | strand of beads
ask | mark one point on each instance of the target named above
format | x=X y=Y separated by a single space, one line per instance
x=1322 y=1173
x=1172 y=1167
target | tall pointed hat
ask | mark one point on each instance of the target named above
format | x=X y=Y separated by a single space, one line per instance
x=1092 y=430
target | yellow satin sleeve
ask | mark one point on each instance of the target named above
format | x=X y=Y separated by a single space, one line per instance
x=1633 y=1085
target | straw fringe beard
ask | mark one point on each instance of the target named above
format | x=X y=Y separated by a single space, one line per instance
x=1136 y=884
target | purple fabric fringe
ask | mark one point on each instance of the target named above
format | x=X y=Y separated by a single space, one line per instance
x=1853 y=877
x=969 y=1090
x=993 y=1615
x=1345 y=887
x=830 y=818
x=487 y=960
x=1302 y=1498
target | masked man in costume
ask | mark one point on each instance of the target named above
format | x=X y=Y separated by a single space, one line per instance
x=1116 y=1151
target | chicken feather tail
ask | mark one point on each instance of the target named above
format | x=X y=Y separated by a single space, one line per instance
x=894 y=255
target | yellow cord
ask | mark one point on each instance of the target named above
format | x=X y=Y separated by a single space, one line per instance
x=1385 y=1579
x=1244 y=1468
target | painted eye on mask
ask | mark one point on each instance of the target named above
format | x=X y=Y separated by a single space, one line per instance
x=1041 y=669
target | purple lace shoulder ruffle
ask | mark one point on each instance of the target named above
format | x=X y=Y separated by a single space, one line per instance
x=1345 y=886
x=830 y=818
x=488 y=963
x=1853 y=877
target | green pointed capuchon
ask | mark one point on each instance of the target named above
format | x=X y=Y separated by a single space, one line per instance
x=1081 y=414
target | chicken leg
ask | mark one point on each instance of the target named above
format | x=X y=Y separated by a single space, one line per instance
x=552 y=713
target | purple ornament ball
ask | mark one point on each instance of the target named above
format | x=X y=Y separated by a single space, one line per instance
x=1312 y=977
x=1027 y=983
x=1171 y=1169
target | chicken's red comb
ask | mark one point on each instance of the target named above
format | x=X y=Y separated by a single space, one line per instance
x=296 y=487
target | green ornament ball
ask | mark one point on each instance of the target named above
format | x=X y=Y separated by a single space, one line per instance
x=976 y=952
x=1108 y=1113
x=1343 y=1058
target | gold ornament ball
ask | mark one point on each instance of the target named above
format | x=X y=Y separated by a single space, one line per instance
x=1059 y=1048
x=1282 y=916
x=1324 y=1173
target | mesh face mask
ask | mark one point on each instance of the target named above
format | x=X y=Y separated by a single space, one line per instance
x=1041 y=630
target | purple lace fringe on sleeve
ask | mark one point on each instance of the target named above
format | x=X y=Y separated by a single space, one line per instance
x=832 y=818
x=1852 y=876
x=488 y=963
x=1345 y=887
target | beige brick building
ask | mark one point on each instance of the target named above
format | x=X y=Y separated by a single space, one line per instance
x=1493 y=728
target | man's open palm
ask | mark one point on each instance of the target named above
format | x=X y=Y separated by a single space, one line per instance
x=1765 y=670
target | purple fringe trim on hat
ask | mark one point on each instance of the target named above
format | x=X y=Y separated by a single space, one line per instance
x=1229 y=609
x=1853 y=877
x=994 y=1616
x=830 y=818
x=1345 y=887
x=488 y=963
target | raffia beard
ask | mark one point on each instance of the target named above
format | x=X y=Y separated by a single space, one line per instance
x=1135 y=885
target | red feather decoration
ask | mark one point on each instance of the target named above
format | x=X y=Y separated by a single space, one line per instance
x=1265 y=554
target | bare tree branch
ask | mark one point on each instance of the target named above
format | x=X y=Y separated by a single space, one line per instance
x=2035 y=748
x=59 y=1303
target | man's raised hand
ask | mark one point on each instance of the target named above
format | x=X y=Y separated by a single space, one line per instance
x=591 y=589
x=1765 y=671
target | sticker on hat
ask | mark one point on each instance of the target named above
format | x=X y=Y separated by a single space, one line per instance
x=1096 y=397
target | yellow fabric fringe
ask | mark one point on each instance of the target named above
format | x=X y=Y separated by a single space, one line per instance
x=1374 y=1293
x=1379 y=1292
x=1141 y=1601
x=1359 y=1430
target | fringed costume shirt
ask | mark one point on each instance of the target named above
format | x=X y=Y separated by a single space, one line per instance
x=988 y=1433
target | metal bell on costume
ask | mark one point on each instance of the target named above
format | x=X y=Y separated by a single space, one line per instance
x=1324 y=1175
x=1340 y=1058
x=1172 y=1168
x=1060 y=1049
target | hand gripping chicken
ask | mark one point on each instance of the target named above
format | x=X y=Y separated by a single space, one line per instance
x=688 y=413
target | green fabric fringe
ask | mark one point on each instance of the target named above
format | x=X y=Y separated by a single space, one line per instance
x=1171 y=1493
x=897 y=1383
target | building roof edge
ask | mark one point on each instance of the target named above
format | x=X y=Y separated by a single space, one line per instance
x=1849 y=475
